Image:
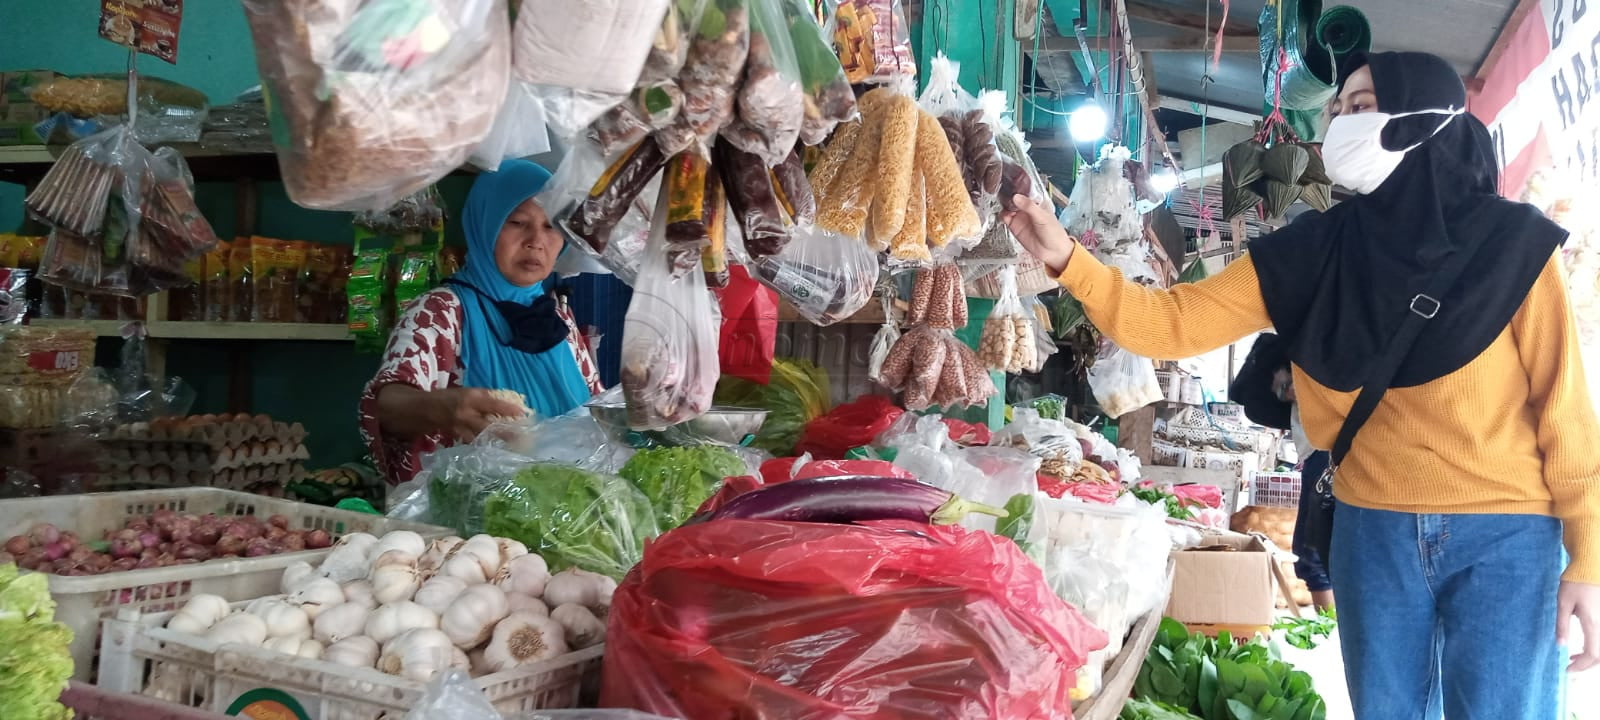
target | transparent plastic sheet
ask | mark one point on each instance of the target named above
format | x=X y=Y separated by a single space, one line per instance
x=519 y=130
x=913 y=602
x=1043 y=343
x=1052 y=441
x=824 y=276
x=458 y=480
x=669 y=347
x=573 y=517
x=999 y=474
x=770 y=105
x=829 y=99
x=1122 y=381
x=364 y=113
x=452 y=695
x=599 y=50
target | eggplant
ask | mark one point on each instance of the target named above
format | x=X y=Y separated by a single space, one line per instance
x=850 y=499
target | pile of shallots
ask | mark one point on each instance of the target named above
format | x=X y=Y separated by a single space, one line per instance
x=412 y=609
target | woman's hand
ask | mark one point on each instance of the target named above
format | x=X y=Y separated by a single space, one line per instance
x=1040 y=233
x=1580 y=602
x=459 y=412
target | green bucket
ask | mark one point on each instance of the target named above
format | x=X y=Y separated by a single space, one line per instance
x=1317 y=42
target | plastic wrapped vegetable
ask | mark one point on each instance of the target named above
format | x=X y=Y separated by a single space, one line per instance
x=796 y=394
x=573 y=517
x=828 y=97
x=374 y=100
x=669 y=346
x=771 y=104
x=678 y=480
x=706 y=626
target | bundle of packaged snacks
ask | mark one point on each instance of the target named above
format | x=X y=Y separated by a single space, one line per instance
x=217 y=291
x=369 y=316
x=240 y=303
x=37 y=368
x=874 y=41
x=373 y=101
x=275 y=271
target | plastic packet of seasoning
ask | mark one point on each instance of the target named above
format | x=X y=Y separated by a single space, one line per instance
x=214 y=282
x=417 y=274
x=241 y=282
x=275 y=268
x=368 y=316
x=696 y=209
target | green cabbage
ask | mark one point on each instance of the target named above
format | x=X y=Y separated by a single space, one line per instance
x=678 y=479
x=34 y=660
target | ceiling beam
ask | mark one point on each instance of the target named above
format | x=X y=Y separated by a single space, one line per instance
x=1172 y=17
x=1518 y=14
x=1184 y=41
x=1194 y=107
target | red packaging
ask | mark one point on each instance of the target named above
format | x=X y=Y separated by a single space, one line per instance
x=890 y=620
x=749 y=328
x=848 y=426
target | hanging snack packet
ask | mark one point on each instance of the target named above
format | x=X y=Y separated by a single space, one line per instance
x=825 y=277
x=718 y=47
x=829 y=99
x=771 y=103
x=874 y=41
x=418 y=273
x=610 y=195
x=763 y=220
x=695 y=210
x=215 y=266
x=368 y=285
x=669 y=346
x=601 y=48
x=1007 y=343
x=794 y=190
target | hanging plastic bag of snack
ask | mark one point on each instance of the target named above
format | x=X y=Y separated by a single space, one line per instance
x=719 y=43
x=829 y=99
x=1007 y=340
x=764 y=223
x=874 y=41
x=695 y=216
x=771 y=101
x=669 y=344
x=375 y=99
x=93 y=189
x=1122 y=381
x=568 y=199
x=969 y=127
x=594 y=218
x=657 y=99
x=825 y=277
x=595 y=46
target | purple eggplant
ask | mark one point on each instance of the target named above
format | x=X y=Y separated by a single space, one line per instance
x=851 y=499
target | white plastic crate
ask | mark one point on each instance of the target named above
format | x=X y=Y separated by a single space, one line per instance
x=82 y=601
x=1274 y=490
x=140 y=656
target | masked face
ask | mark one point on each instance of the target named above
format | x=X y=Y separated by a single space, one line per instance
x=1353 y=148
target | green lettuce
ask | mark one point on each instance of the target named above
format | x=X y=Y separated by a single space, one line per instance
x=677 y=480
x=35 y=663
x=573 y=517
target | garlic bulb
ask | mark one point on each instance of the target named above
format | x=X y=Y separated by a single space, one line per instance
x=283 y=619
x=523 y=603
x=472 y=617
x=390 y=620
x=293 y=576
x=510 y=550
x=524 y=638
x=295 y=646
x=394 y=583
x=185 y=623
x=348 y=560
x=417 y=654
x=309 y=649
x=486 y=550
x=433 y=559
x=583 y=629
x=393 y=557
x=465 y=568
x=359 y=592
x=339 y=622
x=358 y=651
x=205 y=609
x=579 y=587
x=526 y=574
x=403 y=540
x=459 y=660
x=240 y=628
x=439 y=592
x=317 y=595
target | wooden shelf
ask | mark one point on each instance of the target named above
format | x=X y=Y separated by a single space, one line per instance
x=21 y=163
x=174 y=330
x=100 y=328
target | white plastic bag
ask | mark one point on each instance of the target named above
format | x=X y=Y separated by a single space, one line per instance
x=591 y=45
x=669 y=344
x=453 y=695
x=1122 y=381
x=1007 y=344
x=883 y=342
x=519 y=130
x=825 y=276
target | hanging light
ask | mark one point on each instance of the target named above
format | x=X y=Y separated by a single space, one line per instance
x=1164 y=180
x=1088 y=123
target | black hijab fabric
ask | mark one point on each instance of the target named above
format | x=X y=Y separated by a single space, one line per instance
x=1338 y=284
x=1252 y=387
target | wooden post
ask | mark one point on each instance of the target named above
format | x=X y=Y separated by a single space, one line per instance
x=1136 y=431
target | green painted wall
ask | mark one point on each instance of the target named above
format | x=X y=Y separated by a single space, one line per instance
x=314 y=383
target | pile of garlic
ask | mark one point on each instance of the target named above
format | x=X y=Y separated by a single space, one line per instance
x=413 y=609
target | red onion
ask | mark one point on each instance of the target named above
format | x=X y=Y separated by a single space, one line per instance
x=69 y=539
x=31 y=559
x=80 y=553
x=293 y=542
x=55 y=551
x=281 y=521
x=45 y=534
x=259 y=547
x=122 y=564
x=318 y=539
x=149 y=539
x=276 y=533
x=18 y=544
x=102 y=561
x=125 y=548
x=231 y=545
x=148 y=562
x=192 y=552
x=128 y=534
x=242 y=529
x=205 y=534
x=163 y=514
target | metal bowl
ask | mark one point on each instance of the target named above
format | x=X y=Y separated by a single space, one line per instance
x=721 y=425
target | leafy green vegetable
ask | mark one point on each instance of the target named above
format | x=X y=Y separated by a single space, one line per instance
x=1147 y=710
x=1303 y=632
x=573 y=517
x=34 y=660
x=797 y=394
x=1018 y=525
x=1224 y=679
x=1157 y=496
x=677 y=480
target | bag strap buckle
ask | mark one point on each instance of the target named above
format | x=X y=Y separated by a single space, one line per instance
x=1425 y=306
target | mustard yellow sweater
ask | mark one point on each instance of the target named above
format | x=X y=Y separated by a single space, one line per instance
x=1512 y=432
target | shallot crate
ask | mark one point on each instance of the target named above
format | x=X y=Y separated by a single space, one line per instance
x=82 y=601
x=1274 y=490
x=139 y=655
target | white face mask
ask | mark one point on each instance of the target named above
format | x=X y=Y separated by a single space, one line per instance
x=1354 y=151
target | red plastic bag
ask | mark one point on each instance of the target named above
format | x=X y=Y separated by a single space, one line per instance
x=1209 y=496
x=763 y=620
x=731 y=488
x=848 y=426
x=749 y=328
x=781 y=469
x=848 y=468
x=967 y=434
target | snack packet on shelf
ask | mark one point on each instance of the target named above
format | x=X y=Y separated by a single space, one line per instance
x=367 y=290
x=874 y=41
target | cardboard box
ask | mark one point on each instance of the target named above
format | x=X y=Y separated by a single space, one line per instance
x=18 y=113
x=1226 y=583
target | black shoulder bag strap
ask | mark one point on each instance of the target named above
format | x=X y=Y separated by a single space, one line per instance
x=1424 y=306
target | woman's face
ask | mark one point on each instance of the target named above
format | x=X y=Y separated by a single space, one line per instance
x=1357 y=96
x=528 y=245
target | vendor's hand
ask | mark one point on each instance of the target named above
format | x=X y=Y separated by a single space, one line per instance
x=465 y=412
x=1580 y=602
x=1040 y=233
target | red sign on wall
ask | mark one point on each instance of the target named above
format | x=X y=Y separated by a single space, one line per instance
x=149 y=26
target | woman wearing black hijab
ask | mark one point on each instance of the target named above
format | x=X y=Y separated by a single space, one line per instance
x=1479 y=459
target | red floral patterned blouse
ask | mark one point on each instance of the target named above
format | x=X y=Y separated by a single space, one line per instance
x=424 y=352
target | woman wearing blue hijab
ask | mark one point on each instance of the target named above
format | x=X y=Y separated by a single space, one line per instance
x=491 y=328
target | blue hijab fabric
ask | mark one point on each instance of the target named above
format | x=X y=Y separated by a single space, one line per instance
x=551 y=380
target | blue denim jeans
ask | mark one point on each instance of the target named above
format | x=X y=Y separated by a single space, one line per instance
x=1449 y=615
